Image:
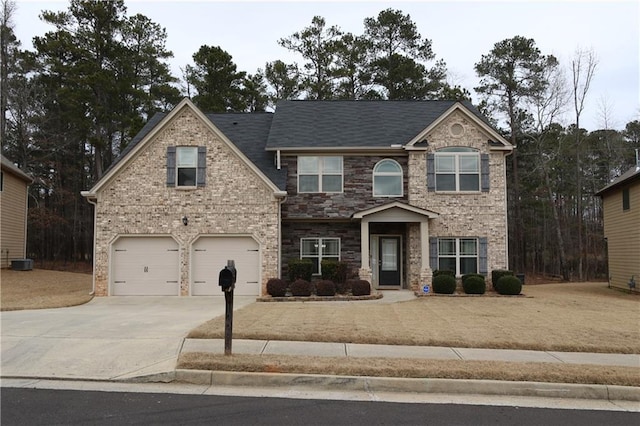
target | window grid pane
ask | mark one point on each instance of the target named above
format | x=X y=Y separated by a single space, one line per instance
x=318 y=249
x=187 y=156
x=308 y=183
x=458 y=254
x=332 y=183
x=457 y=170
x=332 y=165
x=445 y=163
x=308 y=165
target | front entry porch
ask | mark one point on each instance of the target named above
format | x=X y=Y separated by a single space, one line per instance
x=394 y=242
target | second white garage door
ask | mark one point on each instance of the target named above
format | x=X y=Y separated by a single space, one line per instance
x=144 y=266
x=209 y=255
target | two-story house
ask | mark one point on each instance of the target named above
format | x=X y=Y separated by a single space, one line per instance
x=394 y=188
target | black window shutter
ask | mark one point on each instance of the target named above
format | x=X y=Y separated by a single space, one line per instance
x=202 y=166
x=431 y=173
x=433 y=253
x=482 y=256
x=484 y=172
x=171 y=166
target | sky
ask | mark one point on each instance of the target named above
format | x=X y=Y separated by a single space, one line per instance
x=460 y=32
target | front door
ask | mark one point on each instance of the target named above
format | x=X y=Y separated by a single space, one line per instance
x=389 y=261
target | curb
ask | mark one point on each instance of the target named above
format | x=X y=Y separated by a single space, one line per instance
x=392 y=384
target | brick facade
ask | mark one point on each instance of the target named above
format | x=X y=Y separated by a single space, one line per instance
x=473 y=214
x=237 y=200
x=137 y=201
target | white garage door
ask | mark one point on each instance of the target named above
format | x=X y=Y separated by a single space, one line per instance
x=209 y=255
x=145 y=266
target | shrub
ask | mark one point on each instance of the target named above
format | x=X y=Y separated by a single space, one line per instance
x=342 y=271
x=345 y=287
x=325 y=288
x=334 y=270
x=443 y=272
x=301 y=287
x=474 y=285
x=360 y=288
x=444 y=284
x=329 y=269
x=300 y=269
x=276 y=287
x=467 y=276
x=496 y=274
x=508 y=285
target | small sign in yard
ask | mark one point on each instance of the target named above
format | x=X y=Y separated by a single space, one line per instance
x=426 y=289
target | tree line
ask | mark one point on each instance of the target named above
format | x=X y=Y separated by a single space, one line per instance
x=70 y=106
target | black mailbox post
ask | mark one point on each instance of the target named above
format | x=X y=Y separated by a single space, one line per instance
x=227 y=279
x=227 y=282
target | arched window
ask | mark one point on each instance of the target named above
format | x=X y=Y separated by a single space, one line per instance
x=387 y=179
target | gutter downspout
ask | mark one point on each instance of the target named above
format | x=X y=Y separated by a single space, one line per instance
x=506 y=212
x=93 y=201
x=283 y=199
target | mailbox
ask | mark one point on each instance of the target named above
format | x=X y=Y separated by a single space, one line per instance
x=227 y=278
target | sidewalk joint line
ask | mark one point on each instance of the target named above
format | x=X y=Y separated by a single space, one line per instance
x=455 y=351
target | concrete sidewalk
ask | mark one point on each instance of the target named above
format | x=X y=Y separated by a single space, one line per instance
x=138 y=339
x=274 y=347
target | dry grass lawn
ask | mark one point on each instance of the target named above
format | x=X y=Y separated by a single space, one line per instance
x=573 y=317
x=41 y=289
x=415 y=368
x=557 y=317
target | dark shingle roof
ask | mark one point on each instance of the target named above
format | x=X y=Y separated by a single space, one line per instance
x=249 y=133
x=353 y=124
x=318 y=124
x=626 y=178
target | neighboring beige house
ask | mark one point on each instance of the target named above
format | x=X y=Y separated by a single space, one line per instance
x=14 y=185
x=621 y=211
x=394 y=188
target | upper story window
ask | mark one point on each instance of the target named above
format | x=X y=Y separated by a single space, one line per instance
x=319 y=174
x=458 y=169
x=186 y=166
x=626 y=201
x=387 y=179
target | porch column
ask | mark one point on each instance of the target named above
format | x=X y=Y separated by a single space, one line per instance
x=364 y=244
x=424 y=245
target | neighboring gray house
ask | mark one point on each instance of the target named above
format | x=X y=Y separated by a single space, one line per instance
x=394 y=188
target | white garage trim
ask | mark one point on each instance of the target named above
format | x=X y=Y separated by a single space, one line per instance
x=144 y=266
x=209 y=255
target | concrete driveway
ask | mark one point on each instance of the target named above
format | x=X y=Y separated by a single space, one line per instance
x=109 y=338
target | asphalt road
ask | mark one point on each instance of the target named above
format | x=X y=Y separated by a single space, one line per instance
x=71 y=407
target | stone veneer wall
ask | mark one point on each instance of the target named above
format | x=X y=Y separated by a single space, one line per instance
x=349 y=234
x=473 y=214
x=357 y=192
x=234 y=201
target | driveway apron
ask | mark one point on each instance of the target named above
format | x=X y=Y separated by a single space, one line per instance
x=109 y=338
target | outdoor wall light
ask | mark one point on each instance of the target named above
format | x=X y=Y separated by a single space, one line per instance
x=185 y=220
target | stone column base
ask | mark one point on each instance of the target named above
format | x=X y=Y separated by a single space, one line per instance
x=365 y=274
x=426 y=278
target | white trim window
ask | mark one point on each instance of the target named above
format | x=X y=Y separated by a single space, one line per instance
x=457 y=169
x=187 y=165
x=458 y=254
x=387 y=179
x=319 y=249
x=319 y=174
